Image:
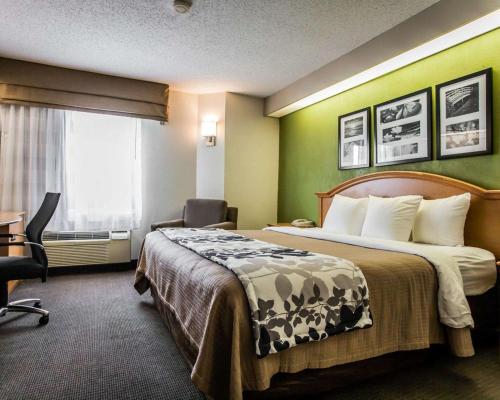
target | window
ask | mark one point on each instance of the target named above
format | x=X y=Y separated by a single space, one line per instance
x=103 y=171
x=93 y=160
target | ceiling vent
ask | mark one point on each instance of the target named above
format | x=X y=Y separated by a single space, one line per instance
x=182 y=6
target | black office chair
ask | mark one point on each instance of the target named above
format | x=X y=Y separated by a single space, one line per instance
x=13 y=268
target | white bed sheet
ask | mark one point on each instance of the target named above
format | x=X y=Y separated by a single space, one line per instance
x=477 y=266
x=450 y=264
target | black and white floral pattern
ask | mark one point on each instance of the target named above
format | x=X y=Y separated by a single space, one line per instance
x=295 y=296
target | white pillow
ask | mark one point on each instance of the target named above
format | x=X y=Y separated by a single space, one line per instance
x=391 y=218
x=442 y=221
x=346 y=215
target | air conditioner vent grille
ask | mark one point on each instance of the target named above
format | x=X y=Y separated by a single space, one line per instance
x=86 y=248
x=56 y=236
x=91 y=254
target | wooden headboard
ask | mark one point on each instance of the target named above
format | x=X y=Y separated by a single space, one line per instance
x=482 y=227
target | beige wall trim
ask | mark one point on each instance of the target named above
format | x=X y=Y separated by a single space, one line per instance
x=435 y=21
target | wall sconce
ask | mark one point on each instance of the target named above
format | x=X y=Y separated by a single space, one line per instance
x=209 y=132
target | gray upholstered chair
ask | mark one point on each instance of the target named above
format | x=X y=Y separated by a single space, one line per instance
x=203 y=213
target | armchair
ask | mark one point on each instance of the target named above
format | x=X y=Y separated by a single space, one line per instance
x=203 y=213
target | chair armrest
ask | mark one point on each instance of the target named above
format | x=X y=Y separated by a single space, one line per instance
x=175 y=223
x=223 y=225
x=11 y=235
x=11 y=244
x=41 y=247
x=22 y=244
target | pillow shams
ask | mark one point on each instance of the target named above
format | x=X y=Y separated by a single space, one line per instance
x=391 y=218
x=442 y=221
x=346 y=215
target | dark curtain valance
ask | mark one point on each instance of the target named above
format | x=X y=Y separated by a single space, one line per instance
x=29 y=83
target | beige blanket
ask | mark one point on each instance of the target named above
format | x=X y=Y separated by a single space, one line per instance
x=207 y=303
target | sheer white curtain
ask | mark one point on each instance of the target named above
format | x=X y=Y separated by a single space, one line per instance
x=32 y=159
x=92 y=159
x=104 y=171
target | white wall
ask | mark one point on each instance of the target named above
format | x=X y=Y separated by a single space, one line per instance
x=242 y=168
x=210 y=160
x=168 y=164
x=251 y=161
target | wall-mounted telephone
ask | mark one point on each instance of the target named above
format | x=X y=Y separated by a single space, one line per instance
x=302 y=223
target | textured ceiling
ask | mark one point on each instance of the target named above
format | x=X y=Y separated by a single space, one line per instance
x=247 y=46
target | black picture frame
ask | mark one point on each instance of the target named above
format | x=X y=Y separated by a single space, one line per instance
x=426 y=119
x=365 y=134
x=486 y=121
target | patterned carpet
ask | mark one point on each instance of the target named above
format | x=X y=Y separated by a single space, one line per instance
x=104 y=341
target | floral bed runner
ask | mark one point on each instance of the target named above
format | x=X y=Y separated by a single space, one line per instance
x=295 y=296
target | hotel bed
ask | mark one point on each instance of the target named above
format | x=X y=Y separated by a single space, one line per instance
x=206 y=308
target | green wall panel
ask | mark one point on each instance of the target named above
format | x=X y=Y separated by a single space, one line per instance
x=308 y=137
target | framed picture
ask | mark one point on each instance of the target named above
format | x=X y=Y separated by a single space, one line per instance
x=464 y=116
x=403 y=129
x=354 y=139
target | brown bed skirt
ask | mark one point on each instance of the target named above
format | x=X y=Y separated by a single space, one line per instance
x=308 y=382
x=317 y=381
x=311 y=381
x=204 y=306
x=187 y=349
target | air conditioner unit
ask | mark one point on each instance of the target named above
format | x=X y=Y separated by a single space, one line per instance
x=65 y=249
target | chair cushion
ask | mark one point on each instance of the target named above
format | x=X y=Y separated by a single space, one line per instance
x=202 y=212
x=12 y=268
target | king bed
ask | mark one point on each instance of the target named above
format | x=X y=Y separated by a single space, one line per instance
x=206 y=307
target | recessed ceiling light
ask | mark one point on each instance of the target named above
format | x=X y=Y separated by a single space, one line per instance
x=182 y=6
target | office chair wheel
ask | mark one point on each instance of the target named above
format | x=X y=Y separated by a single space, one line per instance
x=44 y=320
x=38 y=304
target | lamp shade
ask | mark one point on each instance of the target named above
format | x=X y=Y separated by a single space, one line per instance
x=208 y=128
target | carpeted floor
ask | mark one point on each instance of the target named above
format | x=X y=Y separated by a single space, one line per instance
x=104 y=341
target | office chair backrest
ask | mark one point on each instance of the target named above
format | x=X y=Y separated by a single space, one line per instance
x=36 y=226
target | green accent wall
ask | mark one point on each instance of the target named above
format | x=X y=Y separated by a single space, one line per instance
x=309 y=137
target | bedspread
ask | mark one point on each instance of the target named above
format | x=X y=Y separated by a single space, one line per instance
x=295 y=296
x=209 y=310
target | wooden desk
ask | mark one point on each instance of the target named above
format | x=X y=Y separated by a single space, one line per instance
x=11 y=222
